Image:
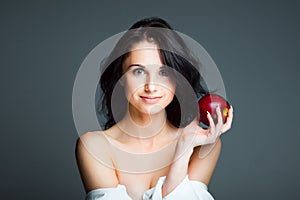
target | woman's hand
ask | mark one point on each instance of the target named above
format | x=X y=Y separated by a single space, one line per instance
x=193 y=135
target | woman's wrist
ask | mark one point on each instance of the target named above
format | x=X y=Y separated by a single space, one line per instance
x=178 y=170
x=183 y=148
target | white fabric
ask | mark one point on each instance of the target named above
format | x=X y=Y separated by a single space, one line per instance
x=187 y=189
x=117 y=193
x=191 y=190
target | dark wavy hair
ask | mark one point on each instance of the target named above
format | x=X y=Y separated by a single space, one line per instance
x=173 y=53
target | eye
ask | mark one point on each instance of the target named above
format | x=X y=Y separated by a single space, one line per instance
x=164 y=72
x=138 y=71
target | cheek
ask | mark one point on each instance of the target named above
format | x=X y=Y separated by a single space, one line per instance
x=171 y=87
x=131 y=87
x=170 y=91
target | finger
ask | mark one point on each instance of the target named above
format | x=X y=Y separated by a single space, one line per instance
x=229 y=120
x=211 y=123
x=214 y=131
x=230 y=112
x=219 y=124
x=219 y=115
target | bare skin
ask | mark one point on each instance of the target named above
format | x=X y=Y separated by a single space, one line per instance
x=95 y=174
x=106 y=159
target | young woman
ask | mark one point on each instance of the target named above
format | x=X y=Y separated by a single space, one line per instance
x=149 y=148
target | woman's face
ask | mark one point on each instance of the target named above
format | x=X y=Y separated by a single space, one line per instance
x=149 y=86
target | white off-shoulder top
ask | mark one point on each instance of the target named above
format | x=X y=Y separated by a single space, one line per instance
x=187 y=189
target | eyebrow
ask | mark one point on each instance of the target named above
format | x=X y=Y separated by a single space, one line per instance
x=136 y=65
x=139 y=65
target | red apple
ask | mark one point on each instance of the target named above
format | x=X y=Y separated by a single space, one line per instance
x=209 y=103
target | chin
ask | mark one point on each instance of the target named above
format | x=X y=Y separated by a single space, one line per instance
x=152 y=110
x=156 y=109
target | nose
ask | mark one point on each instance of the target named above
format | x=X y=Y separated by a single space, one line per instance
x=150 y=85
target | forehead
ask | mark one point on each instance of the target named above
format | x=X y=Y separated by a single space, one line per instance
x=144 y=53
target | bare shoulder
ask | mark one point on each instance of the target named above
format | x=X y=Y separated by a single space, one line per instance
x=202 y=169
x=91 y=138
x=94 y=161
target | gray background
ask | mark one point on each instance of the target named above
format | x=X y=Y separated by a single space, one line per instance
x=255 y=44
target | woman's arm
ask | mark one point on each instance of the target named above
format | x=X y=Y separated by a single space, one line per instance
x=191 y=138
x=202 y=169
x=94 y=165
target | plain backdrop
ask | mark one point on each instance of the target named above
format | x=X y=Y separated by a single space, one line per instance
x=255 y=45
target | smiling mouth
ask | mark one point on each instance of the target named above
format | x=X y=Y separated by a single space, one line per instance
x=151 y=100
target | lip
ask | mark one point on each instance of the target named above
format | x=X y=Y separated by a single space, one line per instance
x=150 y=99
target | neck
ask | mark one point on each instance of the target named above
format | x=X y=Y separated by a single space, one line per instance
x=143 y=125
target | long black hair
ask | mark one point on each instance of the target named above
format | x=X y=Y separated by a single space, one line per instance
x=174 y=53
